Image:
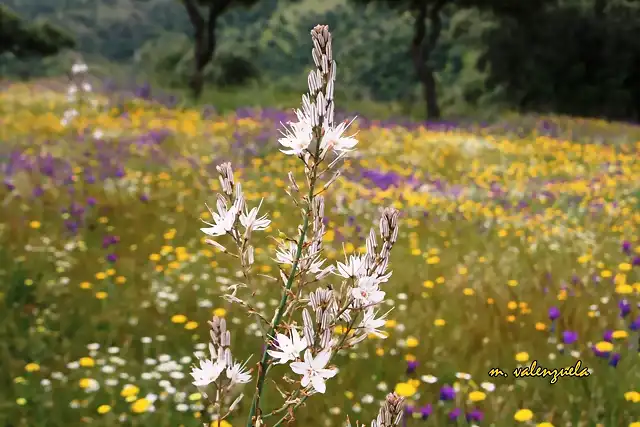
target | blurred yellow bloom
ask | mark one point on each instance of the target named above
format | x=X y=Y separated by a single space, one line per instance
x=439 y=322
x=619 y=334
x=405 y=389
x=523 y=415
x=220 y=312
x=522 y=357
x=140 y=406
x=101 y=295
x=178 y=318
x=129 y=390
x=604 y=346
x=103 y=409
x=87 y=362
x=191 y=325
x=32 y=367
x=632 y=396
x=477 y=396
x=35 y=224
x=412 y=342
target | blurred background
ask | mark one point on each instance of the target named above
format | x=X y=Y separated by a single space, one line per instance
x=432 y=59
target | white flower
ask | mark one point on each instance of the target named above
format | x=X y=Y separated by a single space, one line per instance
x=288 y=348
x=313 y=370
x=208 y=372
x=353 y=267
x=333 y=139
x=223 y=220
x=297 y=138
x=237 y=375
x=370 y=324
x=250 y=220
x=367 y=291
x=286 y=253
x=79 y=68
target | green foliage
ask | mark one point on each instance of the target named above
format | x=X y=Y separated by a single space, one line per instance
x=593 y=72
x=24 y=40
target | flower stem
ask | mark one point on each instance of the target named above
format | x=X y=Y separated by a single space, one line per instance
x=283 y=302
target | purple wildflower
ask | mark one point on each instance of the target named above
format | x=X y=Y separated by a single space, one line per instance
x=475 y=415
x=554 y=313
x=569 y=337
x=411 y=366
x=626 y=247
x=447 y=393
x=425 y=411
x=615 y=358
x=454 y=414
x=112 y=258
x=625 y=307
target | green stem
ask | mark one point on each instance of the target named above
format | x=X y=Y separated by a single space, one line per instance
x=283 y=302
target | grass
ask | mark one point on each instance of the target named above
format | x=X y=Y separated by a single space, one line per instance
x=107 y=284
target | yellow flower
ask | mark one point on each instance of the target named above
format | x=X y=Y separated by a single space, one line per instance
x=391 y=323
x=221 y=423
x=512 y=283
x=35 y=224
x=412 y=342
x=21 y=401
x=477 y=396
x=103 y=409
x=522 y=357
x=635 y=424
x=101 y=295
x=512 y=305
x=140 y=406
x=619 y=334
x=625 y=266
x=178 y=318
x=85 y=285
x=101 y=276
x=129 y=390
x=220 y=312
x=121 y=280
x=87 y=362
x=468 y=292
x=433 y=260
x=540 y=326
x=632 y=396
x=544 y=424
x=379 y=351
x=191 y=325
x=604 y=346
x=439 y=322
x=428 y=284
x=405 y=389
x=624 y=289
x=32 y=367
x=523 y=415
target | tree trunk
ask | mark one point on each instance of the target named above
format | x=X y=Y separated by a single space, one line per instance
x=421 y=49
x=204 y=32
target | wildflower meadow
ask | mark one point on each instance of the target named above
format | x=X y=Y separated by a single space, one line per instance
x=172 y=266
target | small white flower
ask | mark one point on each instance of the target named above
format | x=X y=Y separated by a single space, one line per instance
x=297 y=137
x=367 y=292
x=313 y=370
x=223 y=220
x=488 y=386
x=353 y=267
x=208 y=372
x=250 y=220
x=237 y=375
x=370 y=324
x=429 y=379
x=333 y=139
x=288 y=348
x=286 y=253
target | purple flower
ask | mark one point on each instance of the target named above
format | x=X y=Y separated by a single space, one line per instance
x=615 y=358
x=475 y=415
x=554 y=313
x=608 y=335
x=91 y=201
x=569 y=337
x=425 y=411
x=409 y=410
x=635 y=325
x=411 y=366
x=454 y=414
x=598 y=353
x=144 y=198
x=636 y=261
x=626 y=247
x=112 y=258
x=625 y=307
x=447 y=393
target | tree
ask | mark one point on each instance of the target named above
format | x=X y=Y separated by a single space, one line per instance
x=428 y=15
x=27 y=40
x=203 y=15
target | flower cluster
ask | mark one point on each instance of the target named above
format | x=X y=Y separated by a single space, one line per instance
x=302 y=332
